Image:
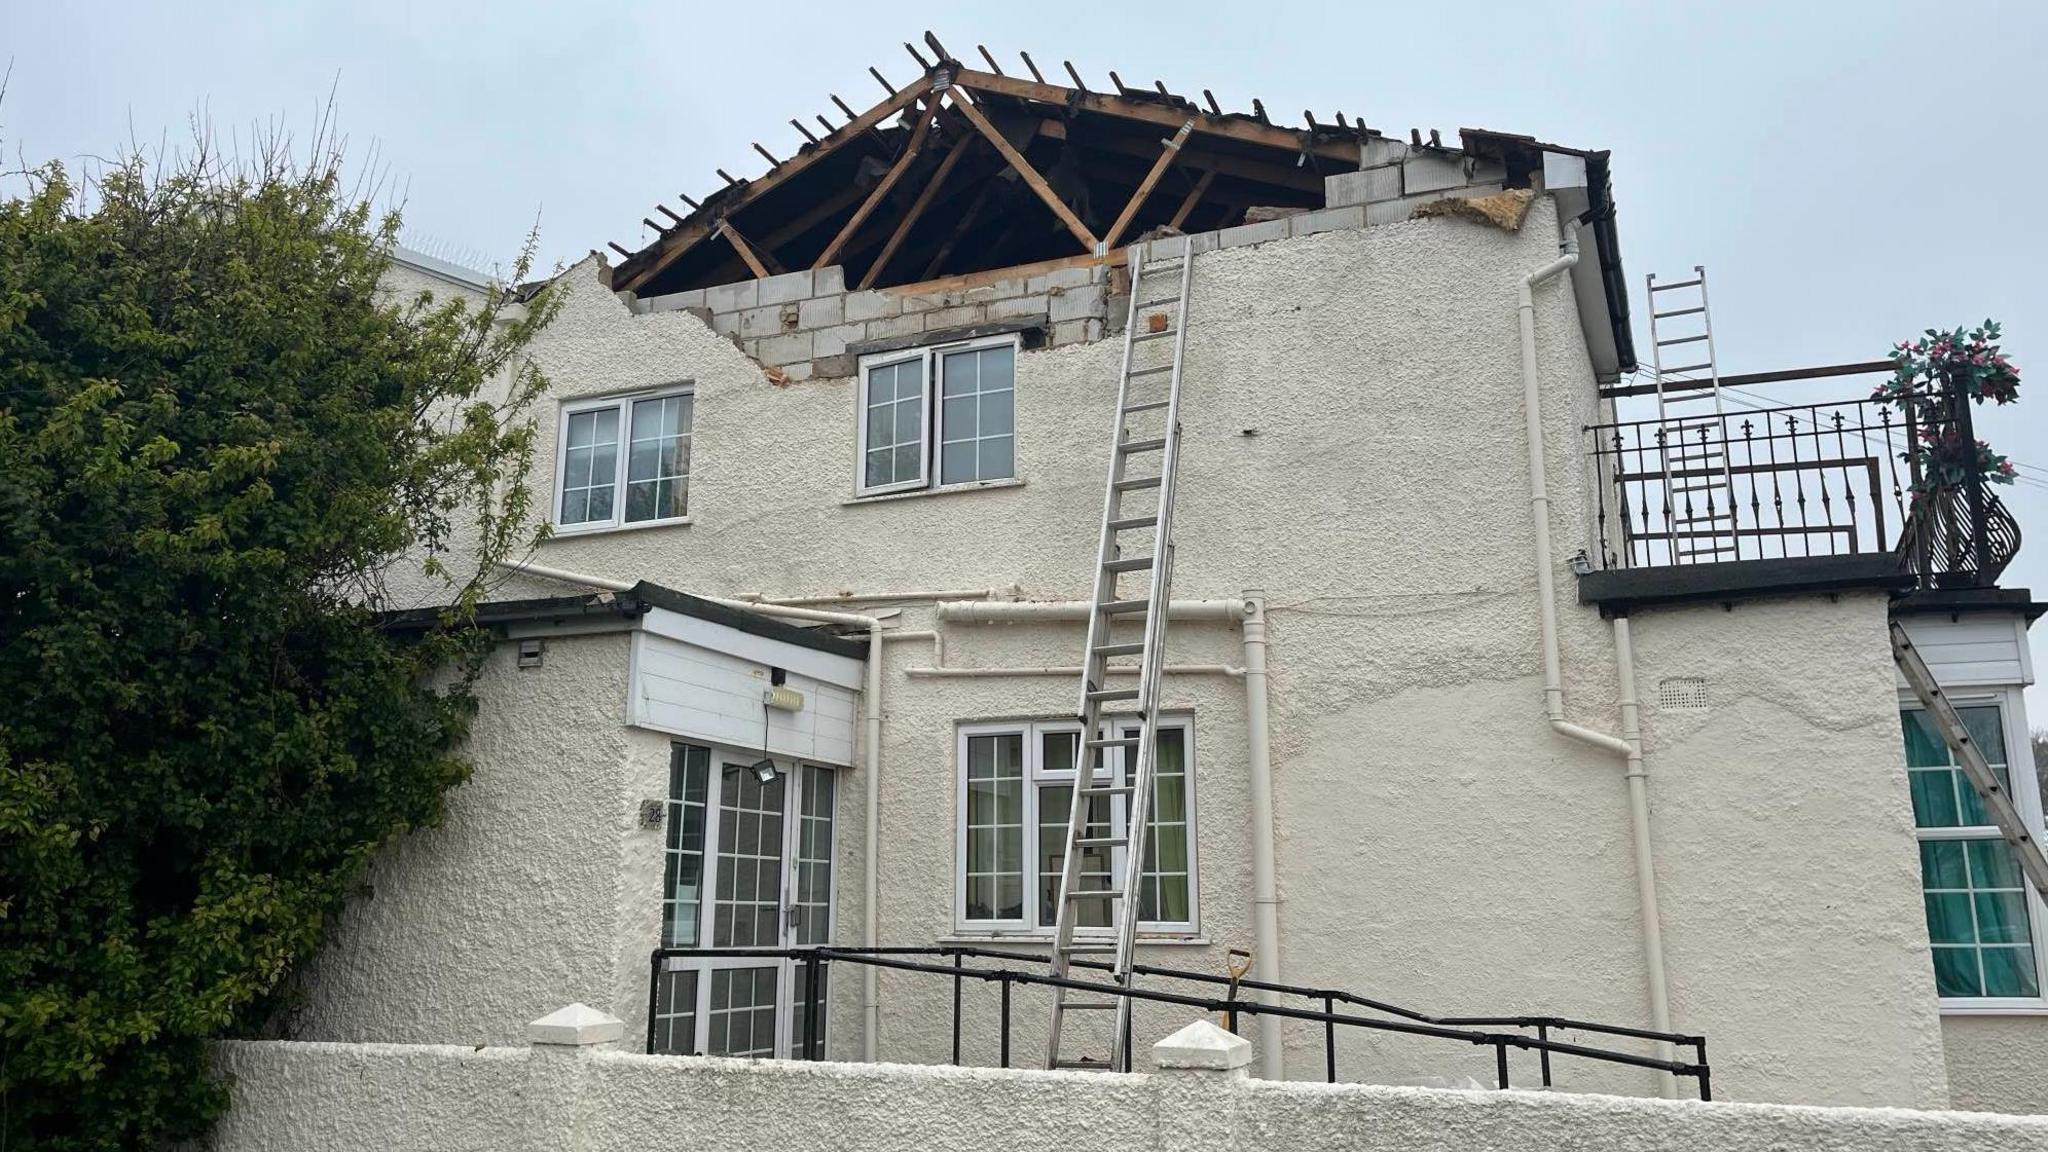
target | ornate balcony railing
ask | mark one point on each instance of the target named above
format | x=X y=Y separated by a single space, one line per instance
x=1786 y=482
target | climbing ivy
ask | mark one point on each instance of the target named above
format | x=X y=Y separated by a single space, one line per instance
x=221 y=438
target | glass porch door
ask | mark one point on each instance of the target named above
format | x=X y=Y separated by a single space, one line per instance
x=749 y=866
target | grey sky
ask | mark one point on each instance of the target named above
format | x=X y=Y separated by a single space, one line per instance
x=1850 y=172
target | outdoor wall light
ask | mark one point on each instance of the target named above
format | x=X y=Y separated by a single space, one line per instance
x=763 y=770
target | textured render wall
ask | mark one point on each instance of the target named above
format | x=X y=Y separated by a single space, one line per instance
x=505 y=911
x=1354 y=447
x=1997 y=1063
x=1786 y=858
x=338 y=1097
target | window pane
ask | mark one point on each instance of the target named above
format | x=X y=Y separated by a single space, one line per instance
x=1934 y=798
x=2002 y=917
x=683 y=893
x=747 y=915
x=1948 y=918
x=1985 y=726
x=675 y=1013
x=601 y=501
x=978 y=415
x=882 y=424
x=894 y=451
x=994 y=833
x=657 y=458
x=1993 y=865
x=589 y=466
x=2010 y=972
x=742 y=1012
x=1956 y=973
x=1942 y=866
x=1924 y=747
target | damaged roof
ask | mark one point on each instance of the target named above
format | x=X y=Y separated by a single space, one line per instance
x=971 y=169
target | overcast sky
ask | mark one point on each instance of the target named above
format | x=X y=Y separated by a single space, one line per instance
x=1850 y=173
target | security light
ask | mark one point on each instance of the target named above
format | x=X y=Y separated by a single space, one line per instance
x=763 y=770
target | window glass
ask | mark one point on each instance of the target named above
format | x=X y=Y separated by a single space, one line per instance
x=813 y=903
x=748 y=903
x=1978 y=919
x=978 y=415
x=894 y=452
x=675 y=1013
x=590 y=463
x=1163 y=889
x=995 y=827
x=658 y=459
x=688 y=772
x=742 y=1015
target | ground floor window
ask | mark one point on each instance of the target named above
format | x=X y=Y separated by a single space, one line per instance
x=1016 y=783
x=1982 y=920
x=749 y=865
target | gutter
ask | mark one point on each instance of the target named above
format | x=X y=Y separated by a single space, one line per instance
x=1629 y=744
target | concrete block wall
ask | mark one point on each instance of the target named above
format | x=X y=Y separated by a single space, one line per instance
x=807 y=325
x=1399 y=178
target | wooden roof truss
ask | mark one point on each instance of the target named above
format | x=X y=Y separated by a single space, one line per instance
x=967 y=170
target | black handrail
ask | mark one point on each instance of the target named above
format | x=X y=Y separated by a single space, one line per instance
x=1410 y=1022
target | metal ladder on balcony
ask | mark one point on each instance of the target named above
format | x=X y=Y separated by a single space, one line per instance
x=1699 y=489
x=1970 y=758
x=1146 y=428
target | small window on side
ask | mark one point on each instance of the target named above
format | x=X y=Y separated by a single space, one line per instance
x=938 y=417
x=624 y=461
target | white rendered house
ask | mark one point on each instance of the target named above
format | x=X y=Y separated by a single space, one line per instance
x=1371 y=781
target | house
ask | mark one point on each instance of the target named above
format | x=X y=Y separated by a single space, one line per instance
x=1466 y=711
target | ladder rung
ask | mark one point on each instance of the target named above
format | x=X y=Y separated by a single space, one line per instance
x=1146 y=405
x=1157 y=443
x=1673 y=285
x=1113 y=694
x=1083 y=1065
x=1140 y=482
x=1114 y=742
x=1096 y=894
x=1677 y=312
x=1158 y=302
x=1094 y=947
x=1163 y=332
x=1089 y=1006
x=1687 y=368
x=1128 y=564
x=1110 y=790
x=1122 y=607
x=1107 y=650
x=1681 y=340
x=1172 y=262
x=1102 y=842
x=1155 y=370
x=1130 y=522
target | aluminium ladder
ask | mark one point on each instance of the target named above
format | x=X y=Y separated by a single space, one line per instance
x=1145 y=429
x=1699 y=488
x=1970 y=758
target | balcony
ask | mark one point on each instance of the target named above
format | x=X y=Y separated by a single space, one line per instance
x=1754 y=496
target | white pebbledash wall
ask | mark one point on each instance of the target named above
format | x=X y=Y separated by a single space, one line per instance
x=568 y=1096
x=1354 y=448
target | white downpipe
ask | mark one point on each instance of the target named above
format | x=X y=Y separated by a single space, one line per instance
x=1265 y=885
x=871 y=752
x=1250 y=613
x=1629 y=744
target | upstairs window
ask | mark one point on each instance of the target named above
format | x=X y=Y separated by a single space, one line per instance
x=624 y=461
x=942 y=416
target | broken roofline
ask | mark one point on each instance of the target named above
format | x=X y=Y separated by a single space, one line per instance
x=1339 y=144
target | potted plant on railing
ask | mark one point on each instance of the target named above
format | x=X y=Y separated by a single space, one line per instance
x=1935 y=380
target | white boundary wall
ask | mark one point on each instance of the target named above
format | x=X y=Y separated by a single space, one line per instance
x=568 y=1096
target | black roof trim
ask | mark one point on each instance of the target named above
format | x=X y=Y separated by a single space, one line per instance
x=1607 y=249
x=766 y=627
x=1621 y=589
x=628 y=606
x=1956 y=601
x=498 y=613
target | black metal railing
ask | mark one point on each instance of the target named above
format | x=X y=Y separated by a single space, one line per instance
x=1750 y=484
x=952 y=962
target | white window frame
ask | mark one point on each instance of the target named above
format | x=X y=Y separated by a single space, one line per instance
x=931 y=417
x=1117 y=766
x=623 y=403
x=2025 y=792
